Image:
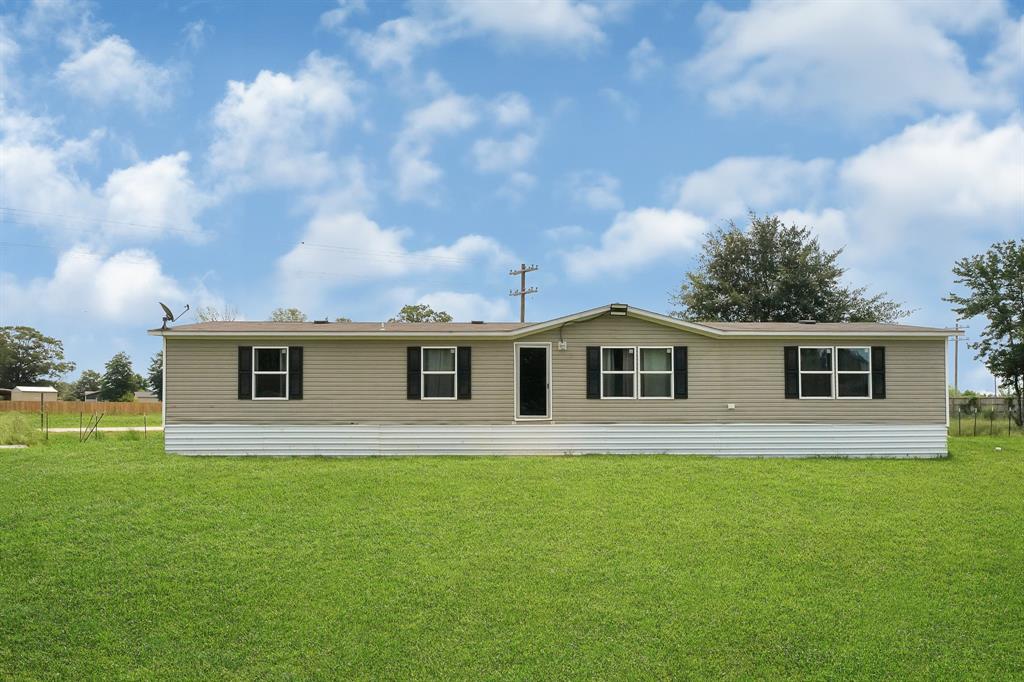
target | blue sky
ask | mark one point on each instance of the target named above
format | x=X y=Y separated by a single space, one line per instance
x=347 y=158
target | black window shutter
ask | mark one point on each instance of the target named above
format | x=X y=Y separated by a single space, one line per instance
x=593 y=372
x=245 y=372
x=878 y=372
x=792 y=371
x=412 y=373
x=465 y=373
x=681 y=371
x=294 y=372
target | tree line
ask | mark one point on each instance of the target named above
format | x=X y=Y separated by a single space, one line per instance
x=30 y=358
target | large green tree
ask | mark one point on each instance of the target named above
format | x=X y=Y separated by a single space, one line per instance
x=90 y=380
x=420 y=312
x=155 y=374
x=774 y=273
x=120 y=381
x=994 y=283
x=29 y=357
x=287 y=315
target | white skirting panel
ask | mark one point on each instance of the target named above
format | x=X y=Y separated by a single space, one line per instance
x=771 y=440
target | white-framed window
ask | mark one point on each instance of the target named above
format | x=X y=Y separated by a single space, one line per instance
x=618 y=372
x=816 y=369
x=655 y=369
x=438 y=370
x=270 y=373
x=853 y=372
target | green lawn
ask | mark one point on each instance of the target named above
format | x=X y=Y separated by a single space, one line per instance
x=72 y=420
x=119 y=561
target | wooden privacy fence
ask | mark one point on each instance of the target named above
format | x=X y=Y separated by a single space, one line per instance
x=77 y=406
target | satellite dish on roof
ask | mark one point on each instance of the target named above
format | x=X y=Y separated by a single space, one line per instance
x=171 y=317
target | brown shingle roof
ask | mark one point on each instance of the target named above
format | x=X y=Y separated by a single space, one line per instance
x=335 y=327
x=810 y=328
x=515 y=329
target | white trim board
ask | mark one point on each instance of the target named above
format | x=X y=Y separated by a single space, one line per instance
x=543 y=438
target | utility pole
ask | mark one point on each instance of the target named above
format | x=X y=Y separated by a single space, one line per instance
x=956 y=362
x=522 y=292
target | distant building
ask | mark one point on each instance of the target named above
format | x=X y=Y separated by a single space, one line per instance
x=92 y=396
x=29 y=394
x=146 y=397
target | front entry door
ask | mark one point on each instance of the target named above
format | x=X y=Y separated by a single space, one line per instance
x=533 y=389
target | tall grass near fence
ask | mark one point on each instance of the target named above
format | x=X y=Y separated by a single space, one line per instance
x=77 y=406
x=17 y=429
x=983 y=423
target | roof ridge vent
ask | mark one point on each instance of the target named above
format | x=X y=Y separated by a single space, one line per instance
x=808 y=322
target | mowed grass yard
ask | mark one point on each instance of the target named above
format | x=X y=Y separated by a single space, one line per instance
x=117 y=560
x=68 y=420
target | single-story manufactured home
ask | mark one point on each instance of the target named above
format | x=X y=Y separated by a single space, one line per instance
x=614 y=379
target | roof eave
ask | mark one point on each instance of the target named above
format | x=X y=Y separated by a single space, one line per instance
x=532 y=329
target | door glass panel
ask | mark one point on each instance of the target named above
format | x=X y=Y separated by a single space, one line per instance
x=533 y=382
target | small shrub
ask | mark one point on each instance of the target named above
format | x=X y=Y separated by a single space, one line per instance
x=17 y=429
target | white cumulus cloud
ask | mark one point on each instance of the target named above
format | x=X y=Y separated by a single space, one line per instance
x=122 y=287
x=415 y=173
x=143 y=201
x=112 y=70
x=643 y=60
x=495 y=156
x=739 y=184
x=847 y=57
x=555 y=24
x=597 y=191
x=342 y=249
x=272 y=131
x=465 y=307
x=636 y=239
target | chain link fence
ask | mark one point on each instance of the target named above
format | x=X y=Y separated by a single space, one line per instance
x=983 y=416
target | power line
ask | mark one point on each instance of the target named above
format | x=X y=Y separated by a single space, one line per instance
x=419 y=255
x=88 y=219
x=76 y=252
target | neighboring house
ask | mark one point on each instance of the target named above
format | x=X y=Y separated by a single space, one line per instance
x=613 y=379
x=146 y=397
x=92 y=396
x=34 y=394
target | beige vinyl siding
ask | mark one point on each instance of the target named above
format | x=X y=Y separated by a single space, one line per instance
x=746 y=372
x=344 y=382
x=364 y=381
